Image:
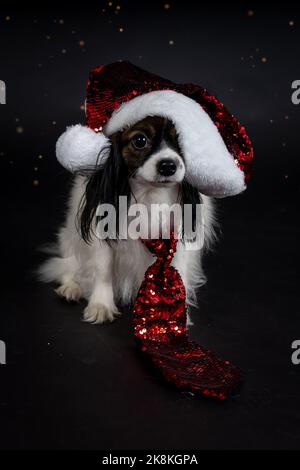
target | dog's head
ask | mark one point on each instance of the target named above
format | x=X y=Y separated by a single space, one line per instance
x=148 y=153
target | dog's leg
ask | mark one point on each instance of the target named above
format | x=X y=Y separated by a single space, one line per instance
x=188 y=264
x=101 y=306
x=69 y=288
x=180 y=263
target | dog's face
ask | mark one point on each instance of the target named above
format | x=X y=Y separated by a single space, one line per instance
x=147 y=153
x=151 y=151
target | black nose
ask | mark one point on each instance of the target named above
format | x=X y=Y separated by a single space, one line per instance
x=166 y=167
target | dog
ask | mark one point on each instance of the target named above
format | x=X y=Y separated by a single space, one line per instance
x=147 y=165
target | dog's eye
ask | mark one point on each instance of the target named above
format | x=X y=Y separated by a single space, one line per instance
x=139 y=141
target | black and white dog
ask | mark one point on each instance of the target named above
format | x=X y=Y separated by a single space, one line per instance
x=146 y=164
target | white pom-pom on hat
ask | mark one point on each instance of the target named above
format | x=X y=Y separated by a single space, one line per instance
x=80 y=148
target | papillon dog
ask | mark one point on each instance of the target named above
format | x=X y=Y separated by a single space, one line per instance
x=147 y=165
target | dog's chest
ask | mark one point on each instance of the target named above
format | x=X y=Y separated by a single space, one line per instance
x=131 y=260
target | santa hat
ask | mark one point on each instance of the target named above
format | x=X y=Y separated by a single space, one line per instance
x=216 y=148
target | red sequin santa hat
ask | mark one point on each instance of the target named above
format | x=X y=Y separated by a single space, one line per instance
x=216 y=148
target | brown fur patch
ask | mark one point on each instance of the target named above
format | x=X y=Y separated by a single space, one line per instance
x=154 y=128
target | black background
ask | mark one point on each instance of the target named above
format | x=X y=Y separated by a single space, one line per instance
x=72 y=385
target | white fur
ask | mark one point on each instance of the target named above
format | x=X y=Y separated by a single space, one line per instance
x=79 y=146
x=106 y=275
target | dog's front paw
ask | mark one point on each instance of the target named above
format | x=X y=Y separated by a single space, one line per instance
x=70 y=291
x=99 y=313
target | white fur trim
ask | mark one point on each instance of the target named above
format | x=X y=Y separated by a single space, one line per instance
x=210 y=166
x=79 y=146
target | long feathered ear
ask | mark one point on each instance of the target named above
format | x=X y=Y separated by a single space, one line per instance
x=189 y=196
x=104 y=186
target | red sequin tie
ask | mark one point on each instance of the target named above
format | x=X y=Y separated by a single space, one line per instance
x=159 y=319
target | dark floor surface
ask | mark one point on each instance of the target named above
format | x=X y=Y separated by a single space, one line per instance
x=68 y=384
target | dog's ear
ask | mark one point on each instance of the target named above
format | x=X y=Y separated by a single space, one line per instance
x=190 y=196
x=104 y=185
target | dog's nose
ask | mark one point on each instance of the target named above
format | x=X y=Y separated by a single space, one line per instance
x=166 y=167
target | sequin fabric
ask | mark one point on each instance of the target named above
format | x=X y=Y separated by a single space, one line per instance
x=110 y=86
x=159 y=320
